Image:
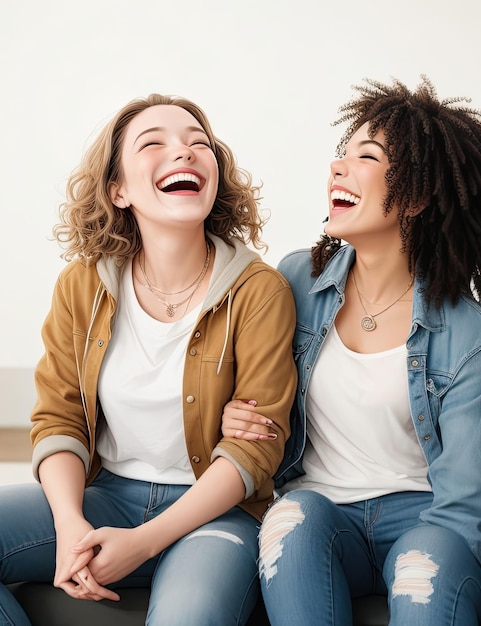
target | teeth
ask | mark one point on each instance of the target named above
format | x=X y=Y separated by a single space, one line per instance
x=338 y=194
x=178 y=178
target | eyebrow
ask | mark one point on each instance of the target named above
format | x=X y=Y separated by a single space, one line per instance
x=376 y=143
x=162 y=128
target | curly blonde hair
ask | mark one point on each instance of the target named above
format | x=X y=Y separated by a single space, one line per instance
x=91 y=226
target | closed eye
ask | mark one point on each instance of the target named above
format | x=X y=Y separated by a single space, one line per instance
x=369 y=156
x=151 y=143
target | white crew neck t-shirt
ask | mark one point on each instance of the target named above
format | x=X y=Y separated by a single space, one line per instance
x=140 y=390
x=361 y=441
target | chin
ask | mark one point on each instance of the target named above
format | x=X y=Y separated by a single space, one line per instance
x=331 y=230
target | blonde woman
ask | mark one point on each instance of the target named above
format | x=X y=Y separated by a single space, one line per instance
x=162 y=315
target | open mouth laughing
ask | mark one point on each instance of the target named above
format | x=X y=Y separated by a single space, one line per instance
x=181 y=182
x=342 y=199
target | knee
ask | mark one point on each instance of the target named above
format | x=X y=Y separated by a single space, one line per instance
x=414 y=574
x=423 y=558
x=280 y=521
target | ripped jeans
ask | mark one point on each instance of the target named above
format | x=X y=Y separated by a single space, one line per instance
x=207 y=578
x=315 y=555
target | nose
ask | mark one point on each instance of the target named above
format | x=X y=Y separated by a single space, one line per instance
x=183 y=152
x=338 y=168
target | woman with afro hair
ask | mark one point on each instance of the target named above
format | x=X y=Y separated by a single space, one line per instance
x=380 y=486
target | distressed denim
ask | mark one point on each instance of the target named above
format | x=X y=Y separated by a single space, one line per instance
x=315 y=555
x=207 y=578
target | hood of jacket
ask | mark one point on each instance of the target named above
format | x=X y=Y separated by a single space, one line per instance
x=230 y=262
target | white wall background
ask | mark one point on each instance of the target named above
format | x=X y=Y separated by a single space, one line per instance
x=270 y=75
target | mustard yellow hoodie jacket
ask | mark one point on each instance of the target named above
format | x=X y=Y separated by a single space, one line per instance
x=241 y=347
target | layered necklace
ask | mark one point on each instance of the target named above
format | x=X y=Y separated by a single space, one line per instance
x=368 y=323
x=171 y=307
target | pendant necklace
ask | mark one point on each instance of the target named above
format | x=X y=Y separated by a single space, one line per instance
x=171 y=307
x=368 y=323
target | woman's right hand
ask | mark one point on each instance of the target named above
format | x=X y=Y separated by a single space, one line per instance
x=82 y=584
x=62 y=475
x=240 y=420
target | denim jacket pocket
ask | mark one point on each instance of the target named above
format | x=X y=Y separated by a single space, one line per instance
x=303 y=338
x=436 y=385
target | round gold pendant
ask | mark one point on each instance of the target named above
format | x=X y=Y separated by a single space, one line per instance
x=368 y=323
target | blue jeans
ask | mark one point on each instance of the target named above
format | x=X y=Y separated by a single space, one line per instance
x=208 y=577
x=316 y=555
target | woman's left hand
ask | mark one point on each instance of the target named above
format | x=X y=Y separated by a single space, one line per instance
x=118 y=553
x=240 y=420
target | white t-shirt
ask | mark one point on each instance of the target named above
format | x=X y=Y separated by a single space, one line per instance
x=140 y=390
x=361 y=440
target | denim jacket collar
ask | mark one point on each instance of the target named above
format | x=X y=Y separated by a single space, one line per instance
x=336 y=273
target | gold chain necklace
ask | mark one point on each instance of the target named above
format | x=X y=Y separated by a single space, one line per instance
x=175 y=293
x=368 y=323
x=171 y=307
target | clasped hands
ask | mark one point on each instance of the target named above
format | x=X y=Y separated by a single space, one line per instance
x=103 y=556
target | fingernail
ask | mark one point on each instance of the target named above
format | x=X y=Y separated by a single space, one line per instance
x=268 y=421
x=252 y=402
x=272 y=435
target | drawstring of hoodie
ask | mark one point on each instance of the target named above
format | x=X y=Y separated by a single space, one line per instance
x=227 y=329
x=81 y=369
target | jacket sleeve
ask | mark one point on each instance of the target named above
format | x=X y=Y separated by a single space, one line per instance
x=264 y=371
x=455 y=474
x=58 y=417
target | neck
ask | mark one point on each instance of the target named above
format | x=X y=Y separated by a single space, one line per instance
x=381 y=279
x=171 y=265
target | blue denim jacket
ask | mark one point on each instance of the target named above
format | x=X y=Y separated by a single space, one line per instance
x=444 y=378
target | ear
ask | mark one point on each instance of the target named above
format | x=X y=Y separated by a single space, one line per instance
x=415 y=211
x=118 y=196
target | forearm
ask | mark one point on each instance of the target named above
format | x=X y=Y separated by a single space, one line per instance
x=63 y=480
x=217 y=490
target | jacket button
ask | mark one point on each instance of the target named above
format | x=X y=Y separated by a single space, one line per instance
x=195 y=459
x=420 y=417
x=414 y=363
x=427 y=437
x=197 y=334
x=190 y=399
x=100 y=343
x=192 y=352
